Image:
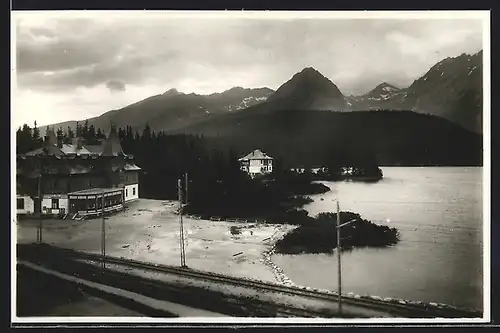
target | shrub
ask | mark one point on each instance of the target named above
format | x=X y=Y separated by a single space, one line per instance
x=319 y=235
x=235 y=230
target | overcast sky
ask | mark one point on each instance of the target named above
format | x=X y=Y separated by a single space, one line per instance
x=75 y=68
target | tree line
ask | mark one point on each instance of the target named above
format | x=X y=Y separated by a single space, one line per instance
x=216 y=184
x=28 y=138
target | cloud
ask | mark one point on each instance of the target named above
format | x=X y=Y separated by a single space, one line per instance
x=115 y=85
x=59 y=57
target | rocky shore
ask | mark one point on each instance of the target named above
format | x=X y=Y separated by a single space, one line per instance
x=282 y=278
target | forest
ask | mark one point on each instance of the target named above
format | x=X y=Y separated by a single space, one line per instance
x=211 y=167
x=218 y=188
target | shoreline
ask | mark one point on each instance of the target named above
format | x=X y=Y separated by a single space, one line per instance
x=160 y=217
x=282 y=278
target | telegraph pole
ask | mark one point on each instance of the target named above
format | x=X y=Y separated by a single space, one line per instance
x=103 y=233
x=339 y=261
x=40 y=201
x=181 y=235
x=186 y=188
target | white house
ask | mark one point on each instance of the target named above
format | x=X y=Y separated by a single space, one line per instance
x=256 y=163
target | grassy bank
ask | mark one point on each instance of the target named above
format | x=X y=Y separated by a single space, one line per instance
x=39 y=294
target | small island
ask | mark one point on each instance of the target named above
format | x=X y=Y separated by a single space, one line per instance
x=360 y=163
x=319 y=234
x=352 y=173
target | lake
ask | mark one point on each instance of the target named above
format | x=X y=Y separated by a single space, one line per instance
x=439 y=214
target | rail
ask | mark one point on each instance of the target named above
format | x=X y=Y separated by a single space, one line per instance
x=395 y=308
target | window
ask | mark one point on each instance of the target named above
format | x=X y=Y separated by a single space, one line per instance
x=20 y=203
x=55 y=203
x=126 y=192
x=133 y=191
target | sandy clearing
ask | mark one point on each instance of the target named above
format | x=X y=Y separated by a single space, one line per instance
x=148 y=230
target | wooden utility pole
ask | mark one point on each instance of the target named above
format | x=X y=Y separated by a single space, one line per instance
x=339 y=260
x=103 y=234
x=181 y=231
x=40 y=201
x=186 y=188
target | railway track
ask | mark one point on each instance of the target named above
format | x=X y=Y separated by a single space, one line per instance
x=395 y=309
x=192 y=296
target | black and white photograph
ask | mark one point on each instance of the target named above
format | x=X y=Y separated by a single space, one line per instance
x=250 y=167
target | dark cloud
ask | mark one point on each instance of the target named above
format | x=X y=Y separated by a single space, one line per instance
x=58 y=55
x=115 y=85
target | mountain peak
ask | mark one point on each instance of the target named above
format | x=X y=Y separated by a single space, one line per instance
x=310 y=70
x=383 y=91
x=237 y=88
x=171 y=92
x=309 y=90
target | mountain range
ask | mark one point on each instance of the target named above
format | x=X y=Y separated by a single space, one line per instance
x=438 y=118
x=173 y=109
x=451 y=89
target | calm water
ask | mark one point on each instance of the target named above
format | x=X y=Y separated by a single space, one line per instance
x=438 y=212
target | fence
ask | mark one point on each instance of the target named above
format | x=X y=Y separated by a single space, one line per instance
x=222 y=219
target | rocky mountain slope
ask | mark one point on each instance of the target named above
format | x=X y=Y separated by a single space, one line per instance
x=309 y=90
x=451 y=89
x=379 y=97
x=173 y=109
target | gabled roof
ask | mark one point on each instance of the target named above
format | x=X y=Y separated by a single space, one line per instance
x=62 y=169
x=257 y=154
x=36 y=152
x=110 y=147
x=95 y=149
x=73 y=149
x=131 y=167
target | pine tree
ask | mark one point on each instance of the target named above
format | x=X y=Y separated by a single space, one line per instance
x=92 y=133
x=24 y=138
x=146 y=133
x=79 y=130
x=68 y=136
x=37 y=141
x=99 y=134
x=60 y=135
x=121 y=133
x=71 y=134
x=36 y=133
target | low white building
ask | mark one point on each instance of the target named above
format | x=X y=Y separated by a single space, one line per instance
x=25 y=205
x=256 y=163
